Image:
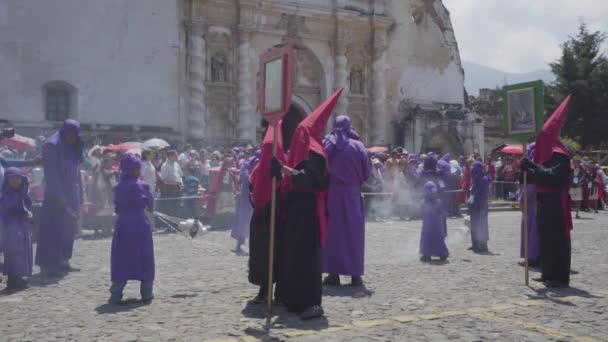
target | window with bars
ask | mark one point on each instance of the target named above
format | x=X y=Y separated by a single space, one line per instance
x=59 y=100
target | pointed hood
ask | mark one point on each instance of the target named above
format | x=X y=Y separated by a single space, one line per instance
x=547 y=140
x=308 y=136
x=260 y=175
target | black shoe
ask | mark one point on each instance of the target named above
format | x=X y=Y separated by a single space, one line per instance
x=113 y=301
x=68 y=268
x=425 y=259
x=356 y=281
x=259 y=299
x=147 y=301
x=556 y=284
x=539 y=280
x=51 y=274
x=332 y=280
x=16 y=284
x=312 y=312
x=443 y=258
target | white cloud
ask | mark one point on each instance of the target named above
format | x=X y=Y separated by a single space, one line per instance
x=520 y=35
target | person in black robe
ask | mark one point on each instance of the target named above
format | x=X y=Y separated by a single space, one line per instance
x=550 y=171
x=260 y=181
x=305 y=181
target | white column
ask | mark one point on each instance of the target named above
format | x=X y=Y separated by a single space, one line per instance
x=197 y=116
x=246 y=113
x=341 y=75
x=379 y=133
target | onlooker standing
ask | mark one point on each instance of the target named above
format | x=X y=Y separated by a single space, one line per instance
x=171 y=174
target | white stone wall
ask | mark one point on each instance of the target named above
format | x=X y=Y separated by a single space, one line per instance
x=424 y=61
x=121 y=55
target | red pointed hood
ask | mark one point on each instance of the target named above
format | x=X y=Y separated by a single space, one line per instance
x=547 y=140
x=308 y=136
x=260 y=175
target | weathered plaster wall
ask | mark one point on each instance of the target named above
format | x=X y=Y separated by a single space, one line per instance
x=423 y=59
x=121 y=55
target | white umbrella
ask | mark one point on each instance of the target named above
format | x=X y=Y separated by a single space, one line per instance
x=155 y=143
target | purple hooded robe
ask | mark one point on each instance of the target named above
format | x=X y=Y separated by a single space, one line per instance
x=533 y=252
x=132 y=246
x=244 y=209
x=349 y=167
x=15 y=207
x=478 y=207
x=62 y=198
x=434 y=213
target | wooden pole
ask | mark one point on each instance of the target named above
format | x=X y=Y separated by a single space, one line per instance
x=273 y=209
x=525 y=194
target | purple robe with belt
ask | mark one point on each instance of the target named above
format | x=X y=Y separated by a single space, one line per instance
x=533 y=249
x=434 y=213
x=349 y=167
x=244 y=209
x=132 y=246
x=15 y=206
x=62 y=194
x=478 y=207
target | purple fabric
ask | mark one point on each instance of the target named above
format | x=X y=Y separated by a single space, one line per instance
x=446 y=157
x=533 y=247
x=340 y=135
x=132 y=246
x=61 y=162
x=432 y=237
x=16 y=243
x=344 y=251
x=244 y=209
x=128 y=163
x=480 y=189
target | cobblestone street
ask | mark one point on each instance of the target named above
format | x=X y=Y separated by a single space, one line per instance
x=202 y=293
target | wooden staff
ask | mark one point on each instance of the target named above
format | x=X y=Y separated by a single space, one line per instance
x=273 y=209
x=525 y=194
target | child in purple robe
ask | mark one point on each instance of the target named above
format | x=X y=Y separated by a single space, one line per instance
x=478 y=208
x=16 y=215
x=432 y=237
x=132 y=246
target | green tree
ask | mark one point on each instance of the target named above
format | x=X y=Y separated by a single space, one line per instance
x=582 y=71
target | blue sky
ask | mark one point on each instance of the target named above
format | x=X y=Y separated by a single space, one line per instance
x=521 y=35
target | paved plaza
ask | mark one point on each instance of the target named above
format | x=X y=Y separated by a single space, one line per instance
x=202 y=293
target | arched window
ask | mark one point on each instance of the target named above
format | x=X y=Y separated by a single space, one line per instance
x=59 y=100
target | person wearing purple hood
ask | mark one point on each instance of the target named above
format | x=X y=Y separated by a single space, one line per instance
x=478 y=208
x=132 y=245
x=16 y=216
x=244 y=209
x=349 y=167
x=62 y=154
x=533 y=252
x=432 y=237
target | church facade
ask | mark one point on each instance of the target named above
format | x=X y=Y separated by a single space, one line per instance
x=189 y=68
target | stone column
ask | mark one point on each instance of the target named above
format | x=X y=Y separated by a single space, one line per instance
x=379 y=134
x=341 y=66
x=197 y=114
x=246 y=114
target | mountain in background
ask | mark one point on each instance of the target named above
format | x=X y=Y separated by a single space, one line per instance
x=478 y=76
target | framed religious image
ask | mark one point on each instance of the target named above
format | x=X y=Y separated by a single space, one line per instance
x=521 y=110
x=275 y=82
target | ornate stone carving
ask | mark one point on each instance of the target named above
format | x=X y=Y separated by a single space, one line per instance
x=293 y=25
x=357 y=80
x=218 y=68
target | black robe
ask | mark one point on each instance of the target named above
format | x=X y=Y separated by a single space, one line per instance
x=300 y=260
x=259 y=240
x=555 y=245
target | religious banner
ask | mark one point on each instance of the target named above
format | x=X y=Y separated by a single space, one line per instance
x=523 y=109
x=275 y=87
